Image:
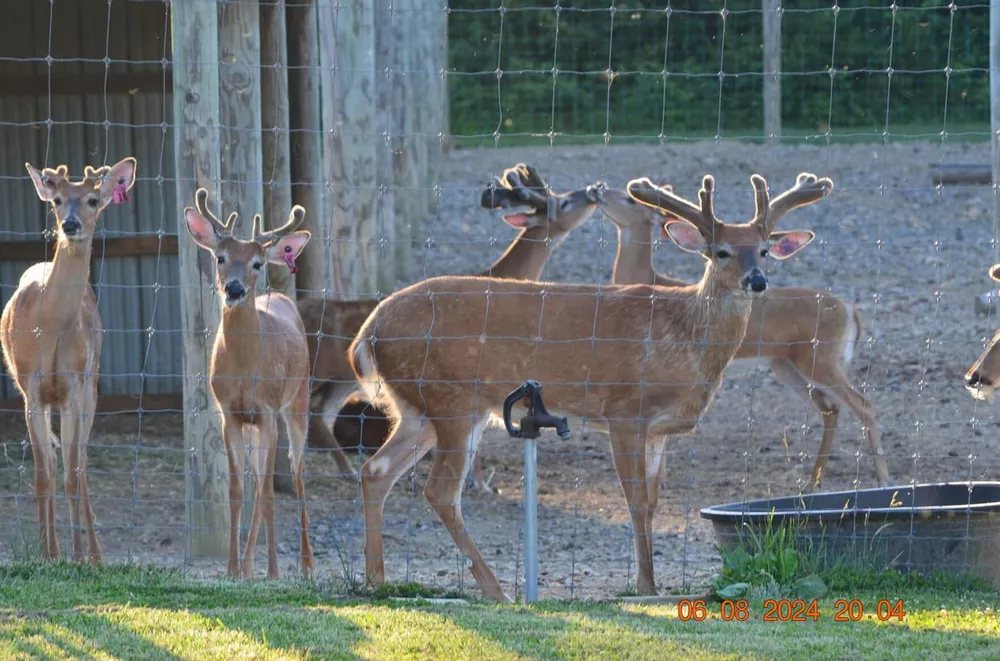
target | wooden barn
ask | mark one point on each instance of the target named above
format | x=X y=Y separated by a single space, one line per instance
x=339 y=107
x=264 y=103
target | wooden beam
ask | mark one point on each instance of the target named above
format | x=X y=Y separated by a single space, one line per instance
x=275 y=134
x=347 y=73
x=158 y=403
x=119 y=246
x=772 y=69
x=315 y=277
x=239 y=111
x=961 y=173
x=194 y=26
x=152 y=82
x=385 y=203
x=277 y=174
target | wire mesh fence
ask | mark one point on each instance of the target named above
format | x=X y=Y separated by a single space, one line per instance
x=592 y=95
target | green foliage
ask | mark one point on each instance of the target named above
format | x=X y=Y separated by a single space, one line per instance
x=555 y=66
x=769 y=563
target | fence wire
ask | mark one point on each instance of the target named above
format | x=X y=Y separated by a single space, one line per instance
x=589 y=93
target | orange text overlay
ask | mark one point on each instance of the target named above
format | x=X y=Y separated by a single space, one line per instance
x=791 y=610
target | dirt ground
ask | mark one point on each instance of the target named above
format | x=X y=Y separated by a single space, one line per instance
x=910 y=255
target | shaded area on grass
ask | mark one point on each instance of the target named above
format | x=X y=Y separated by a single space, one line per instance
x=67 y=611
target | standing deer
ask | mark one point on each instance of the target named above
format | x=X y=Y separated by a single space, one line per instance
x=332 y=324
x=642 y=361
x=51 y=334
x=983 y=377
x=259 y=370
x=808 y=336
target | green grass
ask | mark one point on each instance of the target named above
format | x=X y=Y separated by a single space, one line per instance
x=65 y=611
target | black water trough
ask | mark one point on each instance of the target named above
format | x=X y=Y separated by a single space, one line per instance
x=951 y=526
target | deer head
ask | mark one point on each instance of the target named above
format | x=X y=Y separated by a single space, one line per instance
x=535 y=205
x=983 y=377
x=734 y=251
x=78 y=204
x=240 y=262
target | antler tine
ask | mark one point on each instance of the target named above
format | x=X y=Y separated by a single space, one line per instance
x=256 y=227
x=532 y=175
x=526 y=193
x=661 y=197
x=295 y=218
x=808 y=188
x=761 y=197
x=201 y=204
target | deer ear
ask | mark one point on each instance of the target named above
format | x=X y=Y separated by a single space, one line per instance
x=121 y=174
x=995 y=272
x=786 y=244
x=685 y=235
x=46 y=189
x=200 y=229
x=287 y=249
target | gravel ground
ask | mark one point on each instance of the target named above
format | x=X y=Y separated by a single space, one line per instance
x=909 y=255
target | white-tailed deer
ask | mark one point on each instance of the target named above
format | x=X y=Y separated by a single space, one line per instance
x=643 y=362
x=51 y=334
x=259 y=371
x=983 y=377
x=545 y=219
x=806 y=335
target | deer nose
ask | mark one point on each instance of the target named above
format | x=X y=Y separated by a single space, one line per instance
x=234 y=289
x=756 y=281
x=71 y=227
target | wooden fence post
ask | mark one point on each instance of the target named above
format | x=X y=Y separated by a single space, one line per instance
x=195 y=49
x=771 y=10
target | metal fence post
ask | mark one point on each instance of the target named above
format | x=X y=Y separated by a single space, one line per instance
x=530 y=520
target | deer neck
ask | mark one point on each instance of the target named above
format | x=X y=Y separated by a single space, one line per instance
x=68 y=282
x=634 y=259
x=237 y=325
x=723 y=321
x=526 y=256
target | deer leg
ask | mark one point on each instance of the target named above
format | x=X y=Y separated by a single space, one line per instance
x=409 y=442
x=479 y=481
x=836 y=384
x=43 y=450
x=262 y=451
x=232 y=433
x=443 y=491
x=627 y=448
x=793 y=376
x=87 y=423
x=70 y=419
x=295 y=418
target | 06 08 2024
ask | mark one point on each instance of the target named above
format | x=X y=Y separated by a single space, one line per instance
x=790 y=610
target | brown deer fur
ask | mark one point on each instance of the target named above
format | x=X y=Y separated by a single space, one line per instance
x=806 y=335
x=983 y=377
x=641 y=361
x=259 y=370
x=51 y=335
x=331 y=325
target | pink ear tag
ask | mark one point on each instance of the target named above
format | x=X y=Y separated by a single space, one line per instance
x=120 y=193
x=289 y=257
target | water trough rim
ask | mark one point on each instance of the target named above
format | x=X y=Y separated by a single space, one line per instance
x=743 y=510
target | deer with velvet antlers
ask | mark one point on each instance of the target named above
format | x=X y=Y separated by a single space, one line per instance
x=544 y=218
x=51 y=334
x=807 y=336
x=641 y=361
x=259 y=370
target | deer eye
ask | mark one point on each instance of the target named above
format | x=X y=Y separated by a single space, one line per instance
x=220 y=259
x=763 y=252
x=257 y=266
x=723 y=254
x=92 y=203
x=57 y=201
